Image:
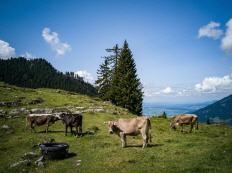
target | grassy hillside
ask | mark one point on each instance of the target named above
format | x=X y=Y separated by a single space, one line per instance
x=207 y=150
x=220 y=111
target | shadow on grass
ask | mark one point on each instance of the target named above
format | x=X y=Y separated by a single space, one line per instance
x=49 y=131
x=70 y=155
x=149 y=145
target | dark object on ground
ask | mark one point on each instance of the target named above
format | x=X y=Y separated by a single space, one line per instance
x=54 y=150
x=72 y=120
x=36 y=101
x=11 y=104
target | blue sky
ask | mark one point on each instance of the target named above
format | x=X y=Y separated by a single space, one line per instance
x=176 y=62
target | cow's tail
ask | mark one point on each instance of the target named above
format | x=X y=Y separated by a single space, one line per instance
x=149 y=129
x=197 y=123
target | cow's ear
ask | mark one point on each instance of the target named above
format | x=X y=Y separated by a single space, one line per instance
x=115 y=123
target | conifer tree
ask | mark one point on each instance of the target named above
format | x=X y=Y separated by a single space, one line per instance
x=104 y=79
x=126 y=89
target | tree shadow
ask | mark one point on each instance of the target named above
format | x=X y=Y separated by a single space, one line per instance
x=149 y=145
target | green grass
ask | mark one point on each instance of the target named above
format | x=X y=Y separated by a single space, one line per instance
x=207 y=150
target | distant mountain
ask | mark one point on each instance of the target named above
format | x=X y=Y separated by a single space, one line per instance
x=219 y=112
x=38 y=73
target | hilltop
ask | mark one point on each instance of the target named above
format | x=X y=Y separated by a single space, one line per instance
x=220 y=111
x=207 y=150
x=39 y=73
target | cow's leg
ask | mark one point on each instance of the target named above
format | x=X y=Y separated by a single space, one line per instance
x=77 y=131
x=66 y=129
x=191 y=127
x=182 y=128
x=33 y=128
x=145 y=136
x=71 y=130
x=123 y=139
x=80 y=130
x=47 y=128
x=145 y=140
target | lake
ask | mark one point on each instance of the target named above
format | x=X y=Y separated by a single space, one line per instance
x=171 y=109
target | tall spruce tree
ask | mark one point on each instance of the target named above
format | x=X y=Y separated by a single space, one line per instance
x=104 y=79
x=126 y=88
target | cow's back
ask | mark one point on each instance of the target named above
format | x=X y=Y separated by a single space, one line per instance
x=132 y=125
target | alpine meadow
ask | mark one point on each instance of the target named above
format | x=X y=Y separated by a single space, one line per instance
x=115 y=86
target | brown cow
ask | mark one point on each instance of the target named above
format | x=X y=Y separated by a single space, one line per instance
x=185 y=119
x=131 y=127
x=41 y=119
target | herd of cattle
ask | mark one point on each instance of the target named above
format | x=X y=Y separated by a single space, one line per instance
x=121 y=127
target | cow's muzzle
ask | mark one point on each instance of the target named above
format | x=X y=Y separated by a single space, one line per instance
x=111 y=132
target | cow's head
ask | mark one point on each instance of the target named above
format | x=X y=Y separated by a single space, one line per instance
x=60 y=115
x=173 y=125
x=112 y=126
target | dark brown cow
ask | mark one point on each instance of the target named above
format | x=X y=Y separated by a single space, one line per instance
x=72 y=120
x=185 y=119
x=41 y=119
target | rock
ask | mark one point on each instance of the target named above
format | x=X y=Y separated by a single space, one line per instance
x=29 y=155
x=24 y=111
x=41 y=111
x=80 y=108
x=14 y=112
x=2 y=113
x=40 y=161
x=26 y=162
x=36 y=101
x=40 y=164
x=11 y=104
x=6 y=127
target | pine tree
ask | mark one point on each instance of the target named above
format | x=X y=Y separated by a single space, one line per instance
x=126 y=89
x=104 y=79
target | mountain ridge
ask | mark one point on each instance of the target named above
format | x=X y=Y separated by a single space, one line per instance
x=218 y=112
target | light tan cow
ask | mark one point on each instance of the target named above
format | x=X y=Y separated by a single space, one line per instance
x=131 y=127
x=185 y=119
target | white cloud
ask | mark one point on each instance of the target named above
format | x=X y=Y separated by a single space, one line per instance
x=226 y=43
x=167 y=90
x=5 y=50
x=215 y=84
x=210 y=30
x=157 y=91
x=28 y=55
x=85 y=75
x=52 y=38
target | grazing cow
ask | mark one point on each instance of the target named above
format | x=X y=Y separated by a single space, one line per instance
x=41 y=119
x=131 y=127
x=185 y=119
x=72 y=120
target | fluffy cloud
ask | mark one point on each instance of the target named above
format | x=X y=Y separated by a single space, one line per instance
x=210 y=30
x=52 y=38
x=226 y=43
x=28 y=55
x=155 y=91
x=167 y=90
x=85 y=75
x=214 y=84
x=5 y=50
